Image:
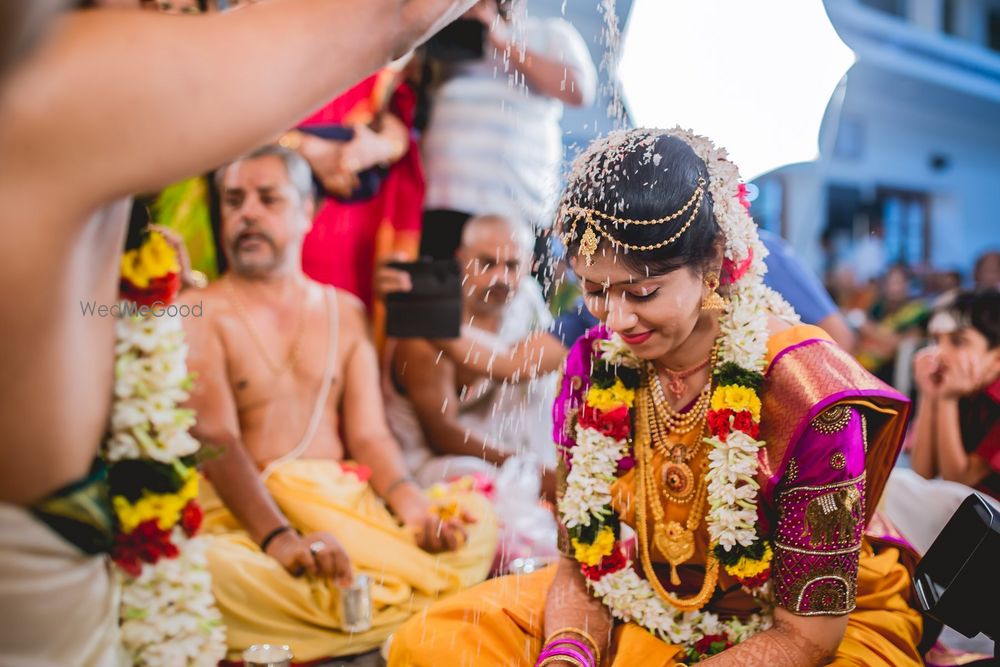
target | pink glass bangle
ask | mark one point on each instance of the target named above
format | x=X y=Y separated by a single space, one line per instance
x=583 y=648
x=563 y=652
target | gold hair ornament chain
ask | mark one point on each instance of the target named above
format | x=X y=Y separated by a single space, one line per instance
x=590 y=241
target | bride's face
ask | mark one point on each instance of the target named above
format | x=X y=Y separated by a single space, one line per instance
x=653 y=314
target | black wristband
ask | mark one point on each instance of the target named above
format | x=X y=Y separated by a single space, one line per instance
x=273 y=534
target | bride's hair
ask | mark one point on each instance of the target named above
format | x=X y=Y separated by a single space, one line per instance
x=641 y=175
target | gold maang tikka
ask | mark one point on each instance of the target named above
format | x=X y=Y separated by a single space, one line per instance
x=597 y=223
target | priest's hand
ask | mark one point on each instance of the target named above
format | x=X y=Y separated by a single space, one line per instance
x=437 y=528
x=316 y=554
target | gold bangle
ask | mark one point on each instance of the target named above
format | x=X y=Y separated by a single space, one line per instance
x=561 y=658
x=291 y=140
x=582 y=634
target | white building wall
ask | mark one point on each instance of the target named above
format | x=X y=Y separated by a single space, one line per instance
x=904 y=121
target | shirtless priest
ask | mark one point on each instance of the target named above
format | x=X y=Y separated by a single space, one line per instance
x=287 y=390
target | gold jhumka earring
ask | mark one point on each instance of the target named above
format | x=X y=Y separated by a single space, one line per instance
x=598 y=224
x=714 y=300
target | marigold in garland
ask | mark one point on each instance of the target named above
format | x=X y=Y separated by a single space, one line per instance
x=594 y=553
x=609 y=564
x=612 y=398
x=165 y=508
x=737 y=398
x=750 y=568
x=156 y=258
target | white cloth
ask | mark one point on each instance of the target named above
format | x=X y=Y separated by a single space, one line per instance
x=920 y=508
x=492 y=147
x=58 y=606
x=512 y=418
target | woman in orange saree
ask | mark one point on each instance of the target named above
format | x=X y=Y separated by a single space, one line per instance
x=721 y=462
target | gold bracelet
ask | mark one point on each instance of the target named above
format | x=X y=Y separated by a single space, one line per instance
x=582 y=634
x=561 y=658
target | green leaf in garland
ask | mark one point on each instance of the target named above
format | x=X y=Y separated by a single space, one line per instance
x=130 y=477
x=603 y=381
x=754 y=552
x=604 y=375
x=630 y=377
x=730 y=373
x=587 y=534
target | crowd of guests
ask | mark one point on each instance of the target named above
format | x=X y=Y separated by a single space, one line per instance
x=342 y=452
x=330 y=435
x=459 y=160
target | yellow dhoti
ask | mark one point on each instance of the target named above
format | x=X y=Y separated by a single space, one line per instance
x=261 y=602
x=499 y=624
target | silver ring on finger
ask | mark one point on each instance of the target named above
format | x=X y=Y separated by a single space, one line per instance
x=316 y=547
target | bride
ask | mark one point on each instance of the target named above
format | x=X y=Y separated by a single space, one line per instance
x=720 y=461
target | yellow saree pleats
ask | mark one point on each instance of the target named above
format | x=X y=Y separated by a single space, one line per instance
x=262 y=603
x=499 y=624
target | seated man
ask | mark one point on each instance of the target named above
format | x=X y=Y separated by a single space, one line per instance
x=543 y=352
x=287 y=389
x=956 y=433
x=451 y=420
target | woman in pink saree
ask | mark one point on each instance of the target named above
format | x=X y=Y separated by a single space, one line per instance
x=374 y=179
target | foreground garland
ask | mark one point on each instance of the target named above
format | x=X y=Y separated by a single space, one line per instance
x=168 y=614
x=604 y=446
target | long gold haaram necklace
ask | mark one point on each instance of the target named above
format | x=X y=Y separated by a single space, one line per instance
x=674 y=541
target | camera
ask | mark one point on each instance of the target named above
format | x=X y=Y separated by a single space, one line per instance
x=956 y=582
x=433 y=308
x=461 y=41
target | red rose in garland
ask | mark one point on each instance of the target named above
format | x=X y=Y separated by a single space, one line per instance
x=615 y=424
x=191 y=517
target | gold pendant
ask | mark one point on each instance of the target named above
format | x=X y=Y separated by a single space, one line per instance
x=679 y=480
x=677 y=546
x=589 y=243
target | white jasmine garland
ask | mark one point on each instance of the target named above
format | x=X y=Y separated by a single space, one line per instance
x=168 y=613
x=628 y=596
x=588 y=484
x=617 y=353
x=631 y=599
x=733 y=464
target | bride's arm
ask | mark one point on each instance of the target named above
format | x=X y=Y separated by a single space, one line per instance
x=570 y=605
x=794 y=641
x=817 y=542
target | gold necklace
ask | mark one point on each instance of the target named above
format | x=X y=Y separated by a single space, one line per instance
x=679 y=539
x=678 y=422
x=675 y=421
x=677 y=476
x=293 y=352
x=677 y=380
